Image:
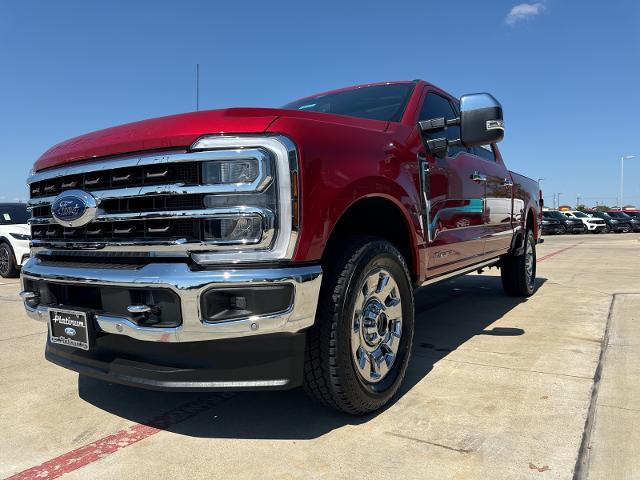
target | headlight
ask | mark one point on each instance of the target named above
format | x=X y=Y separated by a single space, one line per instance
x=20 y=236
x=244 y=230
x=230 y=172
x=252 y=194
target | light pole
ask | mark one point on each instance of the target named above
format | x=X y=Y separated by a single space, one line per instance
x=622 y=159
x=577 y=201
x=559 y=193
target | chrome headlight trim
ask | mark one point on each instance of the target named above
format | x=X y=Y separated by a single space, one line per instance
x=283 y=150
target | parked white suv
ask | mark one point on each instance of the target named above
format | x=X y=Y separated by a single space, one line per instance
x=593 y=224
x=14 y=238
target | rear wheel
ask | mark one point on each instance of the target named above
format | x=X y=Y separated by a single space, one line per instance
x=626 y=228
x=8 y=267
x=359 y=348
x=563 y=230
x=584 y=229
x=518 y=272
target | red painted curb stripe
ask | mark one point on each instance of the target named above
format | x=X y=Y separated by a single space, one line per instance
x=552 y=254
x=82 y=456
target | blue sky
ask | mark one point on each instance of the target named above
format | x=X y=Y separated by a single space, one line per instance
x=566 y=72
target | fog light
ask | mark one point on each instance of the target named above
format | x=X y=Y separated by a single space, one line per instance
x=220 y=304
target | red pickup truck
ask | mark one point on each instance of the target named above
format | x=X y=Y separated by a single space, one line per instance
x=255 y=248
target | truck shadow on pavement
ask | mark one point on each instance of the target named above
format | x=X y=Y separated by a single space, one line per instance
x=447 y=316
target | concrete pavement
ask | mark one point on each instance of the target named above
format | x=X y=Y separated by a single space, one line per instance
x=498 y=388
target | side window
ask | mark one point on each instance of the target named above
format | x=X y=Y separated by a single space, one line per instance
x=437 y=106
x=486 y=152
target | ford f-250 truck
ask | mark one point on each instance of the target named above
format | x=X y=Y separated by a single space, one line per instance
x=255 y=248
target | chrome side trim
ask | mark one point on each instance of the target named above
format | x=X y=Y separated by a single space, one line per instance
x=462 y=271
x=188 y=285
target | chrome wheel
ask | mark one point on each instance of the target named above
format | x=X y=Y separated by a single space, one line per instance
x=377 y=326
x=529 y=261
x=4 y=260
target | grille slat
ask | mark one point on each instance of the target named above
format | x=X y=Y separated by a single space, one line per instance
x=134 y=230
x=186 y=173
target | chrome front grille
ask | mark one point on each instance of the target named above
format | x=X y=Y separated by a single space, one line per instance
x=158 y=202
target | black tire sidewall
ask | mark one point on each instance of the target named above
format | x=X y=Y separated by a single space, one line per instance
x=532 y=285
x=382 y=391
x=11 y=269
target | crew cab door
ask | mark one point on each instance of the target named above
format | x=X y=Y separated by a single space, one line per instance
x=455 y=192
x=498 y=200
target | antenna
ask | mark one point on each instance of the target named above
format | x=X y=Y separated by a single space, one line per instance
x=197 y=87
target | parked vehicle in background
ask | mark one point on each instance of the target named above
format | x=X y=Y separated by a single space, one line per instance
x=255 y=248
x=633 y=213
x=571 y=225
x=625 y=217
x=617 y=225
x=14 y=238
x=593 y=224
x=552 y=226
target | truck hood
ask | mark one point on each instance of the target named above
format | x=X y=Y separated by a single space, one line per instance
x=180 y=131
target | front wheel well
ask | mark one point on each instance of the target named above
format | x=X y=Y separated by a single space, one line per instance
x=376 y=217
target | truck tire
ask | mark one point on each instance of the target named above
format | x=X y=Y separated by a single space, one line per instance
x=359 y=347
x=518 y=272
x=8 y=267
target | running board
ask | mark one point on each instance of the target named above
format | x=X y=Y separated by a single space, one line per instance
x=462 y=271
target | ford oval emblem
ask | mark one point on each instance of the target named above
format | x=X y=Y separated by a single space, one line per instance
x=74 y=208
x=70 y=331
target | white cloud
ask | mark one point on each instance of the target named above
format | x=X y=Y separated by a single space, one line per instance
x=524 y=11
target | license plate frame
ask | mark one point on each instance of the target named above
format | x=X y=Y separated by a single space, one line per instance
x=71 y=328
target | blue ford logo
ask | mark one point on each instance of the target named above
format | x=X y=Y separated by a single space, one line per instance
x=68 y=208
x=70 y=331
x=74 y=208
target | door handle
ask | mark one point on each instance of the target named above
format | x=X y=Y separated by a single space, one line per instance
x=507 y=183
x=478 y=177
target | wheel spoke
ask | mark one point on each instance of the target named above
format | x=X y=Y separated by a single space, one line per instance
x=394 y=310
x=379 y=367
x=383 y=281
x=362 y=358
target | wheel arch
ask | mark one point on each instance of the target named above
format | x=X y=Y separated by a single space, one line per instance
x=379 y=216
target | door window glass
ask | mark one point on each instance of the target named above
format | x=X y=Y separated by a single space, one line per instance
x=437 y=106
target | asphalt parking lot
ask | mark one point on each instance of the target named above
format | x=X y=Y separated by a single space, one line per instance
x=498 y=388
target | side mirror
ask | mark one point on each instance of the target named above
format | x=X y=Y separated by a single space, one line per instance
x=481 y=120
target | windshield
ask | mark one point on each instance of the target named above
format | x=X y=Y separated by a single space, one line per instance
x=376 y=102
x=13 y=214
x=556 y=215
x=580 y=215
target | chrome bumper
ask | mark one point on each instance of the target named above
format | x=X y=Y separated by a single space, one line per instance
x=188 y=285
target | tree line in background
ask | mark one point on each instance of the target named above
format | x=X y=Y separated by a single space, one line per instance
x=602 y=208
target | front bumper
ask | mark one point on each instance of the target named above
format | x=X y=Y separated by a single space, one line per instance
x=188 y=285
x=265 y=362
x=552 y=229
x=259 y=352
x=595 y=226
x=21 y=252
x=575 y=227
